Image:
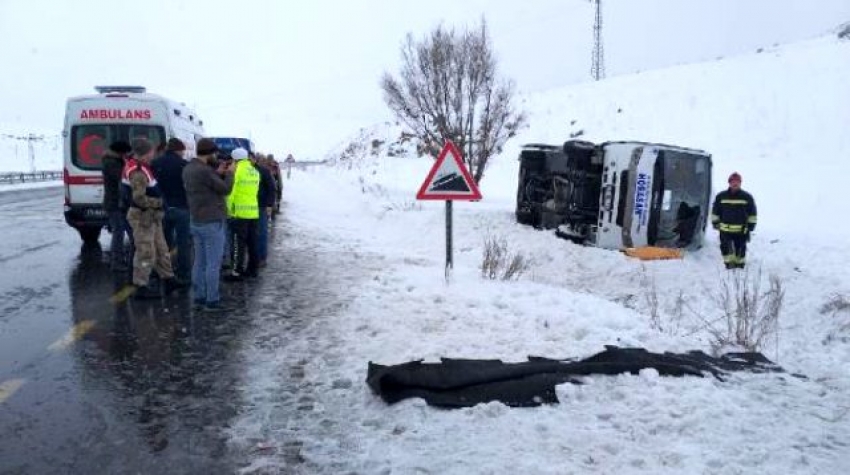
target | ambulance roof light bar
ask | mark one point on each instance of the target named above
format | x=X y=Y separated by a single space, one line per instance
x=108 y=89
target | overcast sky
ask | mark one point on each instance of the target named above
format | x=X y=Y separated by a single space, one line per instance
x=301 y=76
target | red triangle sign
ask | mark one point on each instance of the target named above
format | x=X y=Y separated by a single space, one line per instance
x=449 y=179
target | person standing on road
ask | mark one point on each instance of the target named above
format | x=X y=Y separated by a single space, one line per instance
x=290 y=160
x=116 y=211
x=266 y=201
x=206 y=191
x=168 y=170
x=244 y=210
x=145 y=218
x=734 y=215
x=274 y=168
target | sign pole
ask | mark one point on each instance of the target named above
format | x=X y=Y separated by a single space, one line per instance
x=449 y=180
x=449 y=258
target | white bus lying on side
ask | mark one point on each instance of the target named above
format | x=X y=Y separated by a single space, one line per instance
x=93 y=122
x=616 y=195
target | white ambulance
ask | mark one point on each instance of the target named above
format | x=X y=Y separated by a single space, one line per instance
x=93 y=122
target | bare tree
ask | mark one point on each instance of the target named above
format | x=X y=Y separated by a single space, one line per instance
x=448 y=89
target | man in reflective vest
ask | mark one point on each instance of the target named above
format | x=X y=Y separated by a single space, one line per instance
x=145 y=217
x=244 y=212
x=734 y=215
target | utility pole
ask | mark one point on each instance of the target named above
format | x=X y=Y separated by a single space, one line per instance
x=597 y=70
x=29 y=139
x=31 y=151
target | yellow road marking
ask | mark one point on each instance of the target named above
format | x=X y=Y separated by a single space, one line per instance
x=73 y=335
x=122 y=294
x=8 y=388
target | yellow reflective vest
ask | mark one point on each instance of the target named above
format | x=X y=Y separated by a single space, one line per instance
x=242 y=201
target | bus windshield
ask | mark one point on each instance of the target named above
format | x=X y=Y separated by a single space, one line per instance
x=680 y=203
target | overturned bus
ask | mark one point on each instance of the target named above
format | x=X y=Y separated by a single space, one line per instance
x=616 y=195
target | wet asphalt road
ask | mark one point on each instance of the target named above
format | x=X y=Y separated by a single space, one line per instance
x=91 y=385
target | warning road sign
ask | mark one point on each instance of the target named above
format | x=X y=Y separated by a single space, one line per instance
x=449 y=179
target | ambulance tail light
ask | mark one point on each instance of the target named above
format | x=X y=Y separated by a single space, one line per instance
x=65 y=180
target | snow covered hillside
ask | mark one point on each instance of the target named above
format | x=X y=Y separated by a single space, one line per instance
x=778 y=117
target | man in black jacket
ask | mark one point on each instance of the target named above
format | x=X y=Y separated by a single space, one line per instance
x=734 y=215
x=274 y=168
x=266 y=202
x=116 y=211
x=168 y=170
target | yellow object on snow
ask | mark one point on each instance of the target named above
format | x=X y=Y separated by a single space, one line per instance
x=651 y=253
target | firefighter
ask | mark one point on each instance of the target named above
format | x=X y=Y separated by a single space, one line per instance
x=734 y=215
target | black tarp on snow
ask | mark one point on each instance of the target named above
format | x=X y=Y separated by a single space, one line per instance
x=457 y=383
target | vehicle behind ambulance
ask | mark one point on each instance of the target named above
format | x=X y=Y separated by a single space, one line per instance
x=93 y=122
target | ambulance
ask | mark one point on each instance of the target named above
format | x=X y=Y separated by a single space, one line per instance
x=93 y=122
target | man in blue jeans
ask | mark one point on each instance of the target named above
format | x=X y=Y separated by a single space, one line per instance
x=206 y=190
x=168 y=170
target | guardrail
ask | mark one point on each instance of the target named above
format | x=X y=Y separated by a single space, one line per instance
x=21 y=177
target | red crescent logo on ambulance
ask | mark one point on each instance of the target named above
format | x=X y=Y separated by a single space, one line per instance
x=91 y=150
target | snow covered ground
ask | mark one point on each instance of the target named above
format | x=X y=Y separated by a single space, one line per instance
x=29 y=185
x=778 y=117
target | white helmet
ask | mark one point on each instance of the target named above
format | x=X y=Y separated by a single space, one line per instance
x=239 y=154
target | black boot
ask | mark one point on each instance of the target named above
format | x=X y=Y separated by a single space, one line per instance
x=172 y=284
x=145 y=292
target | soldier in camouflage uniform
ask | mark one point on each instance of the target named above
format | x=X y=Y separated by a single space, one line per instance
x=145 y=218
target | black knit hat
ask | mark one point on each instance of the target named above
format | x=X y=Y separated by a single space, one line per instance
x=120 y=147
x=175 y=145
x=141 y=146
x=206 y=147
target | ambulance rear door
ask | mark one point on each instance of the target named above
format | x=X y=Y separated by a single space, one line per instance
x=91 y=125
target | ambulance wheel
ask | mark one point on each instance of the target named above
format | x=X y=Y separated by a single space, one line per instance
x=89 y=235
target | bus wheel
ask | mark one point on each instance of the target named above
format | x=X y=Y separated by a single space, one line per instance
x=90 y=235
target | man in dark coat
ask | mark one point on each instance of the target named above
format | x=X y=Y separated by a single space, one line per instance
x=734 y=215
x=116 y=211
x=266 y=201
x=168 y=170
x=274 y=168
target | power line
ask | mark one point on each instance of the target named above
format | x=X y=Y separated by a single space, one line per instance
x=597 y=69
